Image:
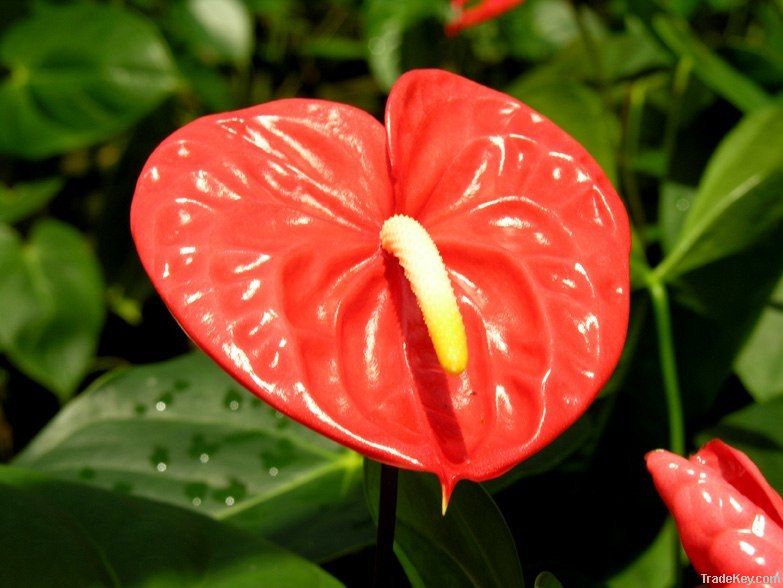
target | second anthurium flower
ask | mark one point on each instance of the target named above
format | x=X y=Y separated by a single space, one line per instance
x=478 y=12
x=267 y=231
x=729 y=518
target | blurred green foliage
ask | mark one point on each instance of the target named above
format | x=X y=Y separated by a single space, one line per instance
x=167 y=475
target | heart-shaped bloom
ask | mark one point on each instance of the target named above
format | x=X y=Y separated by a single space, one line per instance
x=729 y=518
x=261 y=229
x=477 y=13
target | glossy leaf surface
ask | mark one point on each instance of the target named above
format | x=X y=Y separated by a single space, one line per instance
x=539 y=29
x=738 y=89
x=547 y=580
x=729 y=518
x=655 y=567
x=260 y=228
x=217 y=31
x=77 y=535
x=738 y=201
x=673 y=207
x=470 y=546
x=69 y=90
x=759 y=365
x=387 y=28
x=53 y=282
x=184 y=433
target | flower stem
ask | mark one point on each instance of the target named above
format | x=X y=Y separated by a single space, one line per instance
x=671 y=385
x=387 y=516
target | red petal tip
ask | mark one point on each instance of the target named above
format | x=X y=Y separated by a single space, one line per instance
x=447 y=488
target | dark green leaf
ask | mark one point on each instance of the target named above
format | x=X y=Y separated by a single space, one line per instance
x=77 y=535
x=755 y=430
x=655 y=567
x=715 y=308
x=651 y=162
x=760 y=364
x=639 y=266
x=539 y=29
x=471 y=546
x=385 y=26
x=185 y=433
x=738 y=201
x=79 y=74
x=53 y=284
x=547 y=580
x=741 y=91
x=212 y=89
x=22 y=200
x=725 y=5
x=674 y=205
x=216 y=31
x=581 y=112
x=631 y=53
x=274 y=10
x=621 y=56
x=335 y=48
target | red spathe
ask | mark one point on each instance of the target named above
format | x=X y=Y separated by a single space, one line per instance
x=260 y=229
x=729 y=518
x=477 y=13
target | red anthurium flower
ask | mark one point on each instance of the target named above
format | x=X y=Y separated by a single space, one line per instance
x=277 y=238
x=729 y=518
x=478 y=12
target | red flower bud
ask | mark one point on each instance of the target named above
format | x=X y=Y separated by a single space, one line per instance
x=478 y=13
x=729 y=518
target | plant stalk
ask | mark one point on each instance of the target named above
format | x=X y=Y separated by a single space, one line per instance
x=671 y=386
x=387 y=518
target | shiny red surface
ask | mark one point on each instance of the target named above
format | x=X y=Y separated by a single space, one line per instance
x=260 y=229
x=729 y=518
x=479 y=12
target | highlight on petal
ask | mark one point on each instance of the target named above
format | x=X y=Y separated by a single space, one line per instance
x=260 y=229
x=468 y=13
x=535 y=240
x=739 y=471
x=723 y=529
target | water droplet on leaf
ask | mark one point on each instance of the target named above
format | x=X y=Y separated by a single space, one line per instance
x=232 y=493
x=196 y=492
x=201 y=449
x=233 y=400
x=164 y=401
x=160 y=458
